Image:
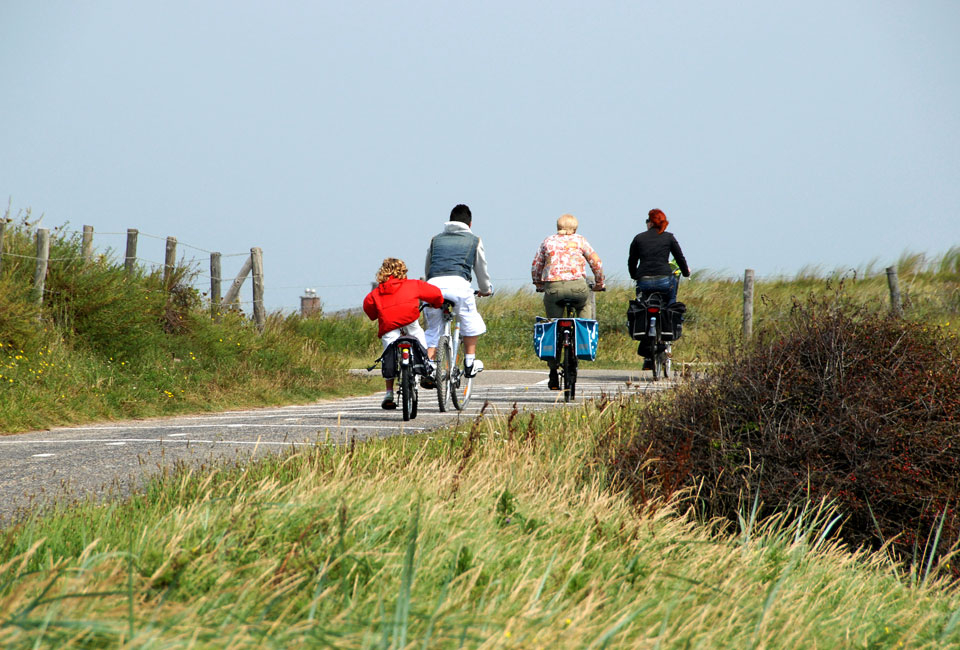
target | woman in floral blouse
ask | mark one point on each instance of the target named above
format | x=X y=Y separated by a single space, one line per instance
x=559 y=271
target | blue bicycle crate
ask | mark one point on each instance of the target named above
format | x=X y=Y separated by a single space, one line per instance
x=586 y=338
x=545 y=338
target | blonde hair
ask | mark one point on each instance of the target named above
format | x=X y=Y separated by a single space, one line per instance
x=391 y=266
x=567 y=224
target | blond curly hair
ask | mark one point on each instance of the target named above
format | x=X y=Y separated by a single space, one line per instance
x=391 y=266
x=567 y=224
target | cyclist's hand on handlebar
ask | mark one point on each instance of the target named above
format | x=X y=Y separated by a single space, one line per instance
x=598 y=287
x=483 y=294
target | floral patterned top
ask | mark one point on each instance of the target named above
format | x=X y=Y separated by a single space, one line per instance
x=565 y=257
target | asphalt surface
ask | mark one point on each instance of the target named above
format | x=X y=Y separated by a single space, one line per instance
x=107 y=460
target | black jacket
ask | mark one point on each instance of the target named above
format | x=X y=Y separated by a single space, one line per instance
x=650 y=254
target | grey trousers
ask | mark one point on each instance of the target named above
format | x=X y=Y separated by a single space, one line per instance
x=576 y=290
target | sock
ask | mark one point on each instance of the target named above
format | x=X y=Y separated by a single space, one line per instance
x=468 y=359
x=389 y=394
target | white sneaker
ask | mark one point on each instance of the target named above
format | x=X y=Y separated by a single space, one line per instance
x=474 y=369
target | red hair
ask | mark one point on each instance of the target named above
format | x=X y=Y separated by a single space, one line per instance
x=658 y=219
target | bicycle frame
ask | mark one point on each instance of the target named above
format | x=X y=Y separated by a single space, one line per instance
x=567 y=361
x=451 y=380
x=407 y=390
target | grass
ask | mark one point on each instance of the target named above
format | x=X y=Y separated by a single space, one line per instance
x=107 y=344
x=502 y=535
x=931 y=293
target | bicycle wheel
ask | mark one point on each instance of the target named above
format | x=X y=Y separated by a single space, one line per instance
x=443 y=372
x=413 y=396
x=460 y=386
x=406 y=393
x=569 y=374
x=657 y=365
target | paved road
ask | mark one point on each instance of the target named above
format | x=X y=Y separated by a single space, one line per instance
x=110 y=459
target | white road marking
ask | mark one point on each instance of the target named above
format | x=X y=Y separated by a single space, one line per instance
x=43 y=455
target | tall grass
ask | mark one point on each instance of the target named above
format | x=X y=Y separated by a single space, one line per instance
x=109 y=344
x=501 y=535
x=931 y=294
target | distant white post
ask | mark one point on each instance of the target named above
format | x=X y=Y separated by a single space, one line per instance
x=43 y=257
x=215 y=286
x=747 y=304
x=895 y=303
x=130 y=259
x=169 y=261
x=87 y=247
x=256 y=263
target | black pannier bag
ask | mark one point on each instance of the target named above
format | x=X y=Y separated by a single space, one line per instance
x=388 y=367
x=673 y=320
x=637 y=324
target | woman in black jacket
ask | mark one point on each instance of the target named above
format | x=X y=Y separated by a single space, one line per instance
x=649 y=261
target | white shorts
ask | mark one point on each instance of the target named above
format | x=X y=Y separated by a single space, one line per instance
x=413 y=329
x=458 y=291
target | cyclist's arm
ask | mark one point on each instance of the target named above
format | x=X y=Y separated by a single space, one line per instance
x=536 y=267
x=369 y=307
x=430 y=294
x=480 y=268
x=595 y=264
x=634 y=259
x=678 y=255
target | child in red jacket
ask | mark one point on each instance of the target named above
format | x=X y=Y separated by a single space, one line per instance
x=395 y=304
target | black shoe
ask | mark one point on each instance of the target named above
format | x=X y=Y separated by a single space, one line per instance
x=648 y=364
x=388 y=404
x=428 y=382
x=553 y=383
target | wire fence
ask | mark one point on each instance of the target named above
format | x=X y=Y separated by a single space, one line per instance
x=206 y=284
x=209 y=285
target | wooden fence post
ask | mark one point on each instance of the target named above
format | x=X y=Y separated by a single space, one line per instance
x=259 y=316
x=3 y=226
x=43 y=256
x=215 y=286
x=747 y=304
x=169 y=261
x=130 y=260
x=895 y=304
x=87 y=247
x=234 y=289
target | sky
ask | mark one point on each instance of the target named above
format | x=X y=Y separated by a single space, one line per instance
x=774 y=135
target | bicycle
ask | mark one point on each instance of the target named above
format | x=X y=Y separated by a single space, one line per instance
x=401 y=352
x=566 y=338
x=653 y=324
x=564 y=346
x=452 y=382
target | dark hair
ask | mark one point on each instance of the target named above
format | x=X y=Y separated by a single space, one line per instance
x=461 y=213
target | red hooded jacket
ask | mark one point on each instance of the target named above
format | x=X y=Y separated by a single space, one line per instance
x=397 y=302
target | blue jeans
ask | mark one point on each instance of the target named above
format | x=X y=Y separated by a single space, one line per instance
x=666 y=284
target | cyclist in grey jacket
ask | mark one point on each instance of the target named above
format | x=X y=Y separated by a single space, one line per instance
x=453 y=257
